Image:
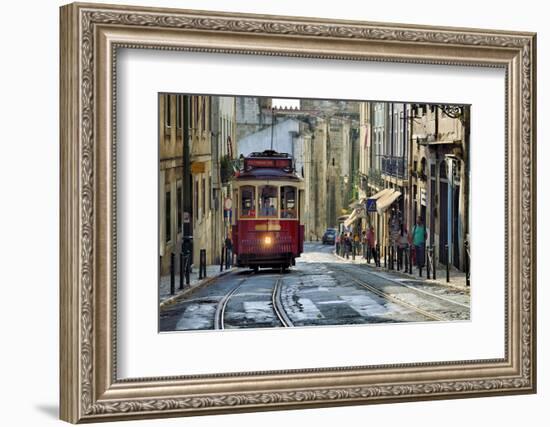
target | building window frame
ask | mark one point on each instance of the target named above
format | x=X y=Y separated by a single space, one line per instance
x=179 y=101
x=168 y=111
x=203 y=196
x=179 y=207
x=196 y=198
x=167 y=216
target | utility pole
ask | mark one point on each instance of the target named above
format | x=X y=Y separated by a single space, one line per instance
x=187 y=200
x=392 y=142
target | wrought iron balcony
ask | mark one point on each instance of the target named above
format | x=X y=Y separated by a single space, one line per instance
x=394 y=166
x=375 y=178
x=426 y=139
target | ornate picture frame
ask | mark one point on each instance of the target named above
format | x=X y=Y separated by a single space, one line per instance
x=90 y=37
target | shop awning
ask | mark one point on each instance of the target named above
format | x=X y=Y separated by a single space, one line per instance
x=357 y=213
x=386 y=201
x=381 y=193
x=342 y=218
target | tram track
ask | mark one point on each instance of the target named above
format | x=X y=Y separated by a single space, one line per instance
x=278 y=307
x=413 y=288
x=428 y=314
x=219 y=315
x=276 y=302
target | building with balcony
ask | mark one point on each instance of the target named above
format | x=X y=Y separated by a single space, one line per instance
x=384 y=155
x=440 y=177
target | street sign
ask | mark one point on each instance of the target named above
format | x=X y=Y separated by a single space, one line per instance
x=186 y=218
x=371 y=205
x=227 y=213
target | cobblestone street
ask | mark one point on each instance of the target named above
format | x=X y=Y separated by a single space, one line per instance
x=322 y=289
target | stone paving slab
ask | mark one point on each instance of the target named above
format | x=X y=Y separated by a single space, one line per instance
x=457 y=279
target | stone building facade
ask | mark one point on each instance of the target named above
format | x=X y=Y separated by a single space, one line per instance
x=252 y=115
x=212 y=129
x=440 y=177
x=224 y=150
x=322 y=136
x=170 y=177
x=420 y=152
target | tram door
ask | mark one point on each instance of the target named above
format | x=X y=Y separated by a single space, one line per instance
x=235 y=206
x=301 y=215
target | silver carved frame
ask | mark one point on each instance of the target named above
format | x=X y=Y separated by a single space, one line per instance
x=90 y=36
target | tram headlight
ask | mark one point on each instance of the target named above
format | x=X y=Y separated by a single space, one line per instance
x=267 y=240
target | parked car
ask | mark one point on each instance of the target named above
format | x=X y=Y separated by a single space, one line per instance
x=329 y=238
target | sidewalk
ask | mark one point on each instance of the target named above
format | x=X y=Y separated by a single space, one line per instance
x=457 y=278
x=212 y=271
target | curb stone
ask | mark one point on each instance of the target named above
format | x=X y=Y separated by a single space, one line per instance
x=192 y=289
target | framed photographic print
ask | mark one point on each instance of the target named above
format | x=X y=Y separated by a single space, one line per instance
x=267 y=212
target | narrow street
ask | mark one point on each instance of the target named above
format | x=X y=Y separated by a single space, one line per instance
x=322 y=289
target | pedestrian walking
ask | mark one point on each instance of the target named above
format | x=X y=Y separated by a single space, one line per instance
x=356 y=244
x=394 y=234
x=419 y=242
x=228 y=252
x=371 y=244
x=347 y=244
x=402 y=244
x=364 y=245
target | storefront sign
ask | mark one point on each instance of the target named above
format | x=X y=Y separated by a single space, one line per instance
x=197 y=167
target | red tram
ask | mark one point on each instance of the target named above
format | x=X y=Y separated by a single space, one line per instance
x=269 y=196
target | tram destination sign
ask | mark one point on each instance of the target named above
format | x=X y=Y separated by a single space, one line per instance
x=268 y=163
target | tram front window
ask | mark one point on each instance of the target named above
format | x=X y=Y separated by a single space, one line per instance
x=268 y=201
x=288 y=202
x=248 y=202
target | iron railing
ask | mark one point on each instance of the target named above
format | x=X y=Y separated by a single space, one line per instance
x=375 y=178
x=394 y=166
